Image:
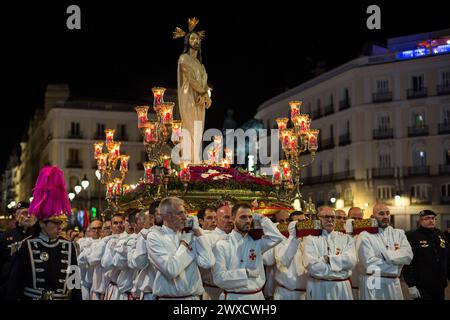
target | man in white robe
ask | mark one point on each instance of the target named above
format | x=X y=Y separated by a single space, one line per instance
x=287 y=258
x=381 y=258
x=178 y=255
x=354 y=213
x=224 y=227
x=92 y=235
x=329 y=259
x=239 y=268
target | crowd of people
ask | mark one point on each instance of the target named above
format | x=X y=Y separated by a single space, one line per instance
x=231 y=253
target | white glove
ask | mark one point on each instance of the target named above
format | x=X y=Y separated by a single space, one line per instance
x=252 y=273
x=187 y=237
x=292 y=228
x=414 y=292
x=348 y=226
x=257 y=217
x=195 y=224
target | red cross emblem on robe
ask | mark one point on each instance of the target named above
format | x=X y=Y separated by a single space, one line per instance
x=252 y=255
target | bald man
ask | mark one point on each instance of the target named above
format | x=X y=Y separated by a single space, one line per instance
x=340 y=215
x=355 y=213
x=329 y=260
x=381 y=258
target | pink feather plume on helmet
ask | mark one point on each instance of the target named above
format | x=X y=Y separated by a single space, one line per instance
x=50 y=198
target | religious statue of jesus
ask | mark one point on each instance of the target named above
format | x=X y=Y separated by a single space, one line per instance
x=193 y=92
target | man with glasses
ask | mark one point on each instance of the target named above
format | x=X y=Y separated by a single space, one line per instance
x=177 y=255
x=11 y=241
x=381 y=258
x=329 y=259
x=429 y=271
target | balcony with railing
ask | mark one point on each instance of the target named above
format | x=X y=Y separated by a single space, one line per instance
x=383 y=133
x=99 y=136
x=444 y=128
x=74 y=164
x=417 y=93
x=345 y=139
x=344 y=175
x=444 y=169
x=382 y=96
x=418 y=171
x=445 y=199
x=383 y=172
x=416 y=131
x=74 y=135
x=442 y=89
x=140 y=166
x=414 y=200
x=316 y=114
x=329 y=109
x=327 y=144
x=344 y=104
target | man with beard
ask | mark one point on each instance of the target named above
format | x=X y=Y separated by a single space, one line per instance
x=429 y=270
x=12 y=240
x=239 y=268
x=224 y=227
x=329 y=259
x=193 y=91
x=381 y=258
x=92 y=235
x=177 y=255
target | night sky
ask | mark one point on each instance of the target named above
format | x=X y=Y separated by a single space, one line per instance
x=123 y=49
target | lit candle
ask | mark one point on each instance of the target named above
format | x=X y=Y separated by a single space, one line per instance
x=212 y=155
x=158 y=95
x=101 y=161
x=185 y=174
x=109 y=133
x=292 y=142
x=285 y=169
x=229 y=156
x=302 y=123
x=109 y=190
x=167 y=112
x=295 y=108
x=98 y=148
x=276 y=174
x=142 y=115
x=115 y=150
x=126 y=188
x=148 y=166
x=285 y=138
x=117 y=186
x=313 y=143
x=149 y=133
x=166 y=161
x=282 y=123
x=124 y=163
x=176 y=131
x=225 y=163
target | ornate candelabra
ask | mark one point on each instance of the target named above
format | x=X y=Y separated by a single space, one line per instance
x=295 y=141
x=156 y=137
x=107 y=164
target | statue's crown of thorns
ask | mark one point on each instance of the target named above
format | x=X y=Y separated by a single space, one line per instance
x=192 y=23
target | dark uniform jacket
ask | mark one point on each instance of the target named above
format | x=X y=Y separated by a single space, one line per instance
x=40 y=270
x=10 y=242
x=430 y=267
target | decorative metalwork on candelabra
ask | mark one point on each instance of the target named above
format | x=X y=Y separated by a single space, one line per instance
x=156 y=136
x=295 y=141
x=107 y=164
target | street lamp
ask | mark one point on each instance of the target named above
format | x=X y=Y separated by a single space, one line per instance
x=12 y=204
x=71 y=196
x=85 y=182
x=333 y=200
x=77 y=189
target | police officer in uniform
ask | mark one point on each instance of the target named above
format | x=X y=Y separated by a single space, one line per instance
x=429 y=270
x=10 y=242
x=45 y=267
